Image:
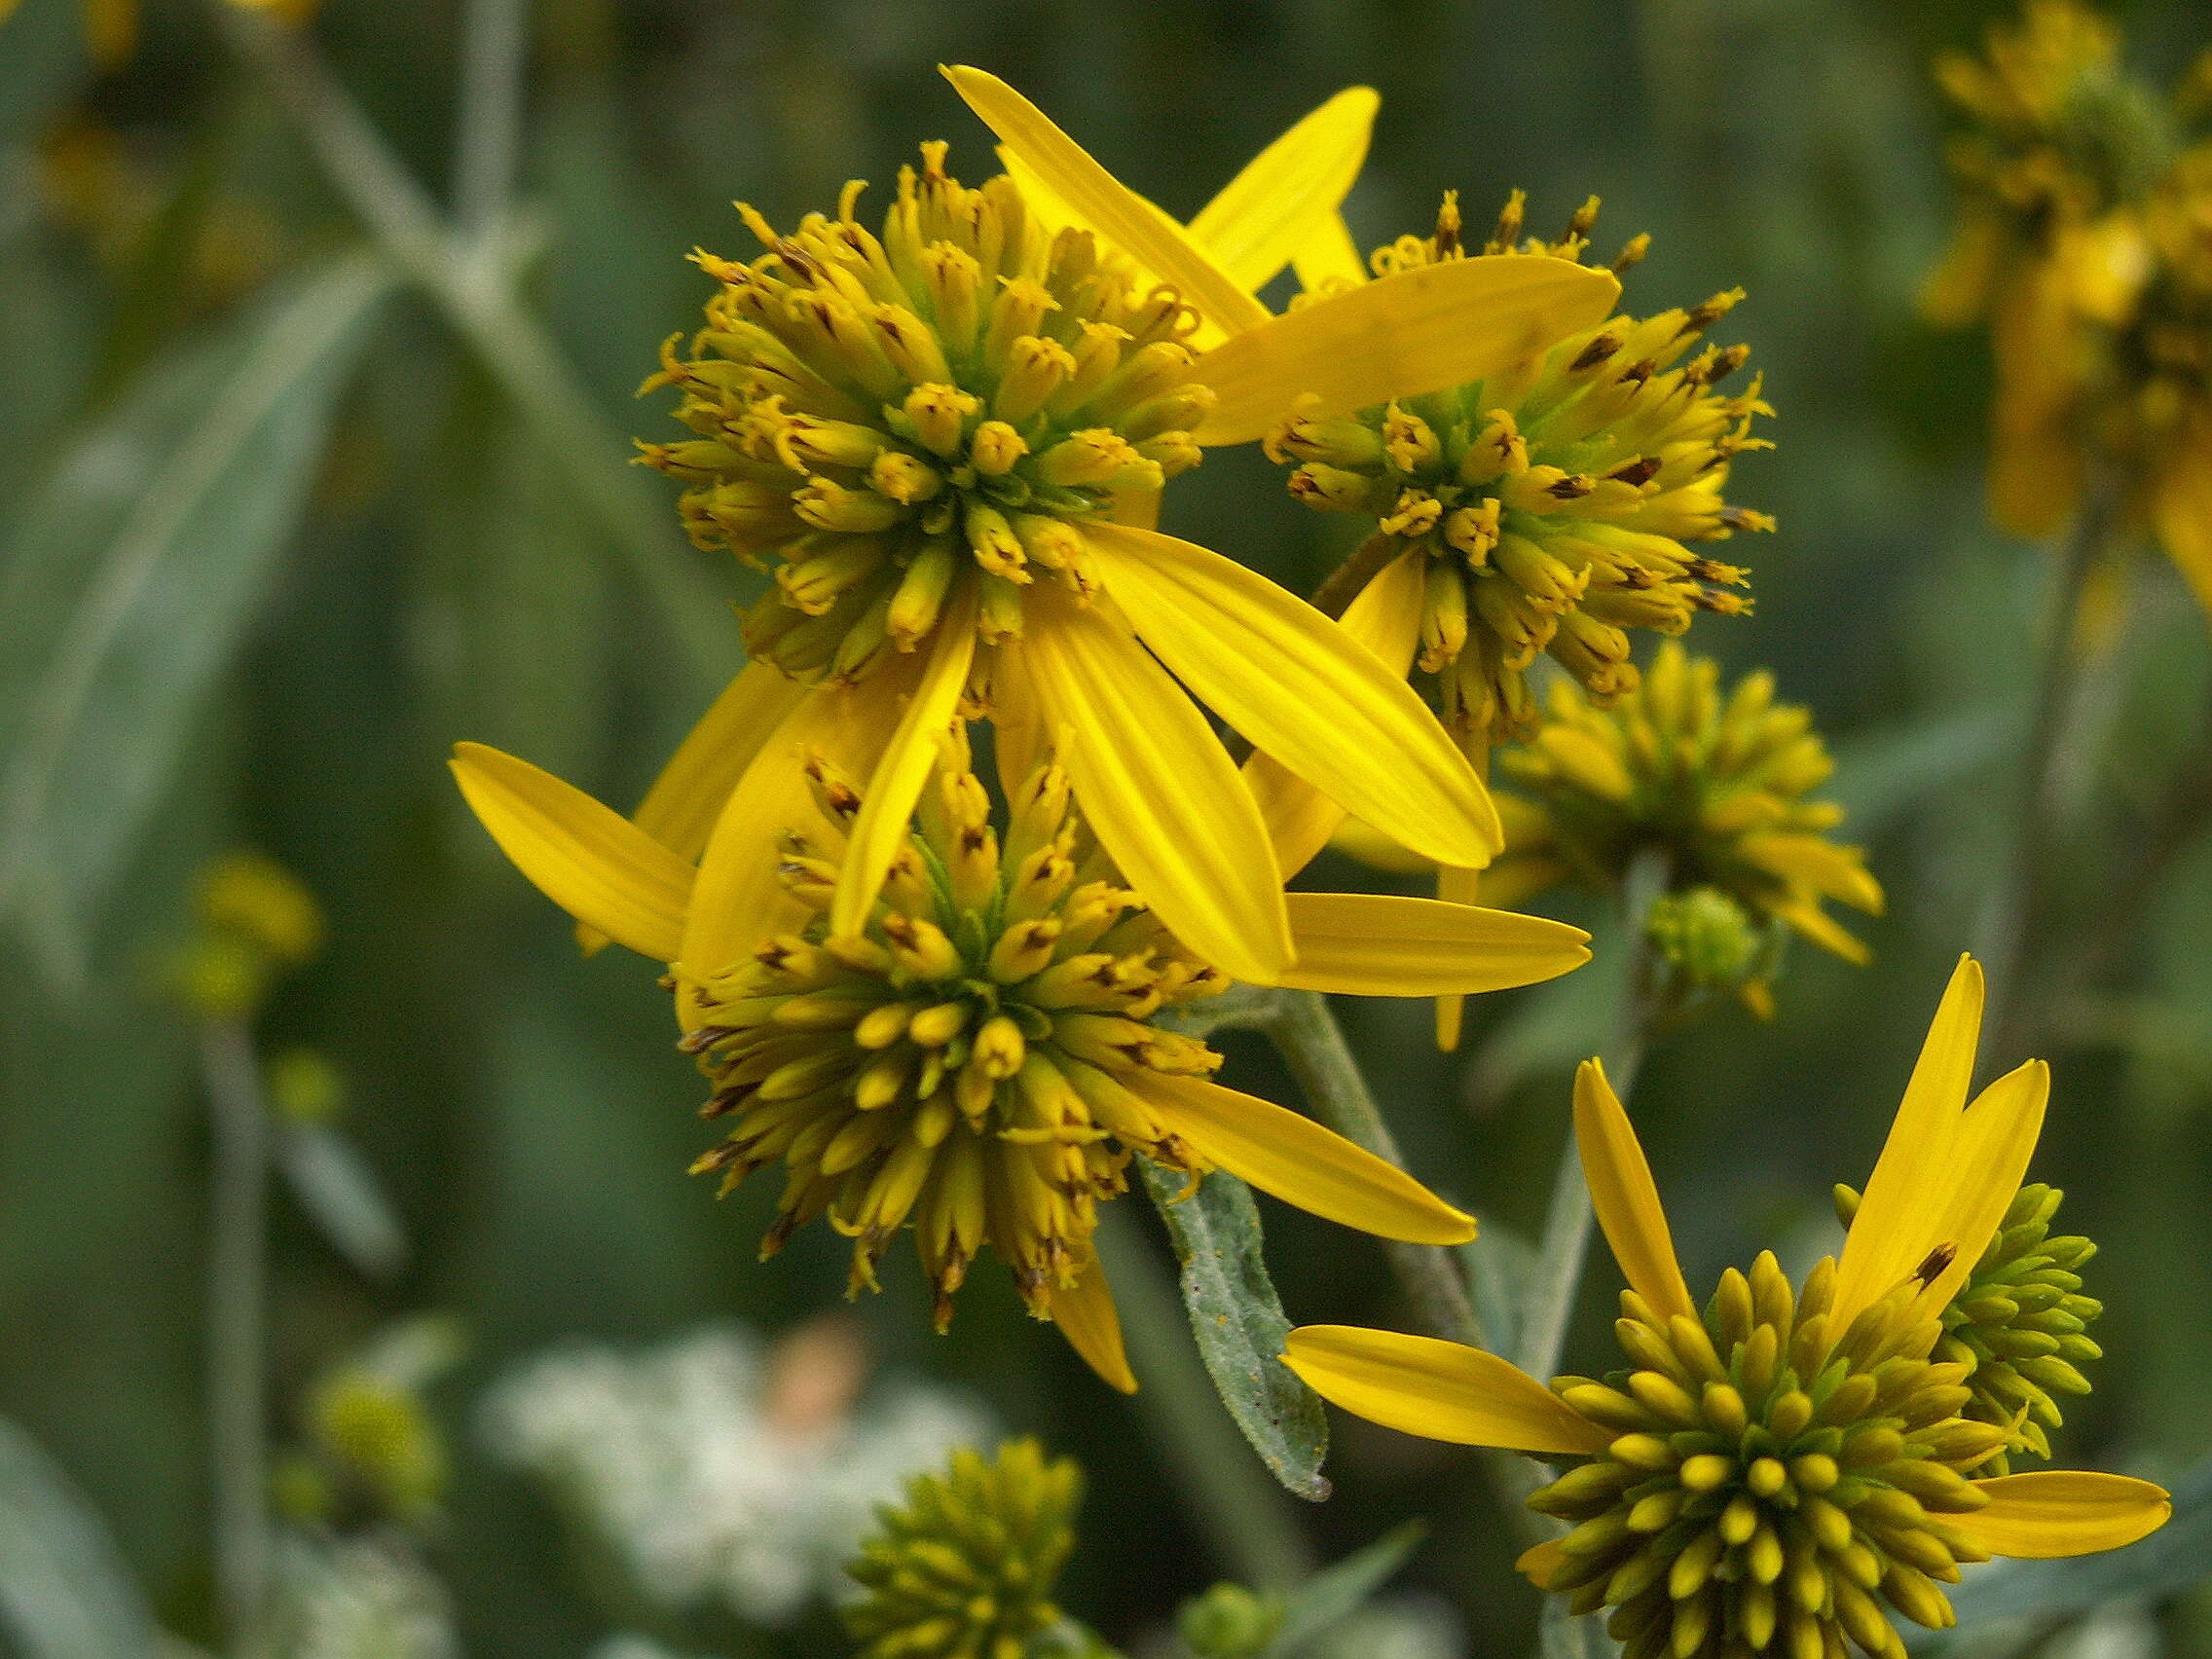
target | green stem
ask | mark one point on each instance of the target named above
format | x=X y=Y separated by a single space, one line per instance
x=1565 y=1243
x=236 y=1333
x=488 y=142
x=1303 y=1030
x=1363 y=565
x=1245 y=1514
x=477 y=299
x=2020 y=909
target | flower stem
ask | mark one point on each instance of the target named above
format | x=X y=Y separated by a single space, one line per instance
x=238 y=1274
x=2019 y=914
x=1246 y=1515
x=1363 y=565
x=488 y=140
x=1566 y=1243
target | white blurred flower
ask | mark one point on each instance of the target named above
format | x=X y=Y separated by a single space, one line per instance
x=357 y=1599
x=716 y=1466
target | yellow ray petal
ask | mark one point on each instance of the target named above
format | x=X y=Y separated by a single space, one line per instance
x=1988 y=1161
x=886 y=802
x=1898 y=1218
x=1380 y=945
x=2182 y=509
x=1302 y=689
x=738 y=902
x=680 y=808
x=1330 y=259
x=1095 y=197
x=1626 y=1200
x=1453 y=886
x=1287 y=195
x=588 y=859
x=2063 y=1512
x=1816 y=863
x=1384 y=616
x=1418 y=331
x=1443 y=1390
x=1297 y=1160
x=1158 y=788
x=1086 y=1317
x=1807 y=917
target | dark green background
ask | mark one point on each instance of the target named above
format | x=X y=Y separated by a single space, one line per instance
x=528 y=1110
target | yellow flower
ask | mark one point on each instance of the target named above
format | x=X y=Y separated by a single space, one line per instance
x=254 y=920
x=1549 y=507
x=949 y=439
x=2085 y=241
x=1787 y=1467
x=983 y=1056
x=1719 y=786
x=965 y=1568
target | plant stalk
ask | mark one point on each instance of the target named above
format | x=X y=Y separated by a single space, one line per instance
x=236 y=1334
x=1245 y=1515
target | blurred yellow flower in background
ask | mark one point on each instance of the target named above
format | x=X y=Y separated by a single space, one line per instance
x=1781 y=1469
x=982 y=1056
x=2084 y=244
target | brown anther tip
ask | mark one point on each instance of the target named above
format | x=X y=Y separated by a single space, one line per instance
x=1937 y=1262
x=1638 y=473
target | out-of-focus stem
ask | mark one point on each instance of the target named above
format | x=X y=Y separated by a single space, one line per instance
x=1244 y=1513
x=477 y=299
x=488 y=141
x=2019 y=915
x=236 y=1328
x=1362 y=565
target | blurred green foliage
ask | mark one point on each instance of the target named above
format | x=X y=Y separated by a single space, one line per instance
x=276 y=535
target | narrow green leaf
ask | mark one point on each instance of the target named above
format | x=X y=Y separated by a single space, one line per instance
x=333 y=1184
x=64 y=1593
x=1241 y=1325
x=1334 y=1593
x=135 y=605
x=1501 y=1266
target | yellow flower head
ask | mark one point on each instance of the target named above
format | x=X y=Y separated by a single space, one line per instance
x=1552 y=507
x=980 y=1058
x=1785 y=1468
x=1715 y=785
x=925 y=418
x=2020 y=1323
x=949 y=439
x=254 y=920
x=965 y=1568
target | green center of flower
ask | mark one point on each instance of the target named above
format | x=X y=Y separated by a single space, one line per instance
x=1553 y=504
x=958 y=1064
x=894 y=421
x=1773 y=1483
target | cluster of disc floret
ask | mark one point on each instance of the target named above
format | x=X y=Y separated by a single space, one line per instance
x=1553 y=504
x=963 y=1063
x=965 y=1567
x=1773 y=1484
x=1716 y=783
x=900 y=423
x=2020 y=1321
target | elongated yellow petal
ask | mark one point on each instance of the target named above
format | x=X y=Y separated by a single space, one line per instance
x=1380 y=946
x=1384 y=616
x=1813 y=923
x=738 y=902
x=1453 y=886
x=1416 y=332
x=1988 y=1161
x=1287 y=195
x=1280 y=1152
x=1627 y=1200
x=588 y=859
x=1086 y=1317
x=1898 y=1218
x=1300 y=688
x=680 y=808
x=2063 y=1512
x=1818 y=864
x=1330 y=259
x=1443 y=1390
x=1097 y=199
x=2182 y=509
x=1158 y=788
x=886 y=803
